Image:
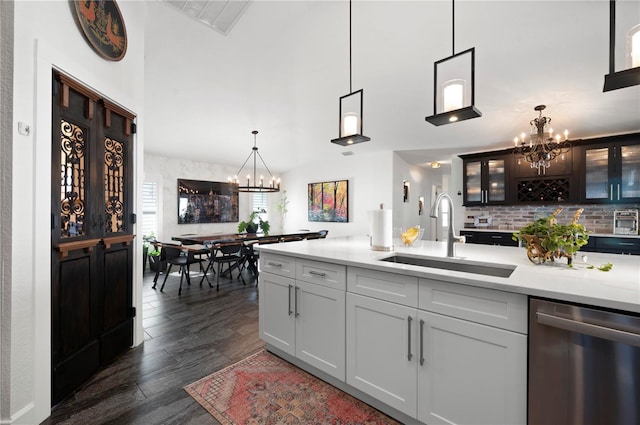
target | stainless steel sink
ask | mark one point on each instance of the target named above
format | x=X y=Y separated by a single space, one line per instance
x=476 y=267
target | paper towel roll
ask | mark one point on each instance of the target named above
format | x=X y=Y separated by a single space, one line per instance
x=381 y=230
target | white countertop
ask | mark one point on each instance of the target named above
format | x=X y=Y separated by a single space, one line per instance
x=618 y=288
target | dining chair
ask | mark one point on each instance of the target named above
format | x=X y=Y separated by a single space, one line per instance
x=176 y=255
x=252 y=253
x=232 y=254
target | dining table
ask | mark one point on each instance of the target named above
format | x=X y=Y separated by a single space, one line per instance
x=215 y=238
x=249 y=240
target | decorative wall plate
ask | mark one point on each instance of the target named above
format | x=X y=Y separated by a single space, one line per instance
x=103 y=27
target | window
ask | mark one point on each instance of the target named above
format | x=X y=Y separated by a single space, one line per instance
x=150 y=208
x=260 y=203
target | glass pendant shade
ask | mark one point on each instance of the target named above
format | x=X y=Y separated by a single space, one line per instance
x=624 y=45
x=454 y=91
x=350 y=119
x=453 y=95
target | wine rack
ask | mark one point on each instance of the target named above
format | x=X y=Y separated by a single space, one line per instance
x=550 y=190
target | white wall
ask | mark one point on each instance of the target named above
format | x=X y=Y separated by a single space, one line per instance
x=46 y=36
x=370 y=179
x=405 y=214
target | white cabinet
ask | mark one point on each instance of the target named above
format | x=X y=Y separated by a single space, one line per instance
x=435 y=351
x=470 y=373
x=276 y=316
x=304 y=319
x=320 y=327
x=462 y=362
x=381 y=344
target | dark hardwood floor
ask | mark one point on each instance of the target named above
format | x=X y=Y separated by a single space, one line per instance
x=186 y=338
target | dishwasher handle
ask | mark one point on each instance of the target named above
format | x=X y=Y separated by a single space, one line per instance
x=597 y=331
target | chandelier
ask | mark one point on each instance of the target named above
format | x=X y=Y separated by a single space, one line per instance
x=272 y=185
x=542 y=147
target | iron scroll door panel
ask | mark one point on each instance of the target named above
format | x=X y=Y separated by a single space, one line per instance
x=91 y=233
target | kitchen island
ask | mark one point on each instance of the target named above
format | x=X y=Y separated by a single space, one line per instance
x=618 y=288
x=423 y=344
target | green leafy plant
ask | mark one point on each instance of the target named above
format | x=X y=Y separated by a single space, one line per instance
x=547 y=240
x=254 y=223
x=149 y=245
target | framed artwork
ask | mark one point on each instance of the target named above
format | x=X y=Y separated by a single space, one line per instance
x=207 y=202
x=103 y=27
x=328 y=201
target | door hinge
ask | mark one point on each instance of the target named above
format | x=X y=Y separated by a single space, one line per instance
x=133 y=218
x=132 y=312
x=134 y=128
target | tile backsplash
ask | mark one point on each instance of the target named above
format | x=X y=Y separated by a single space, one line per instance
x=595 y=218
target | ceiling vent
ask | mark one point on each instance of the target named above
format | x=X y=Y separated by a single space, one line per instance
x=220 y=15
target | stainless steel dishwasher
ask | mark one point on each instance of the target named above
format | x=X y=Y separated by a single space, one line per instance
x=584 y=365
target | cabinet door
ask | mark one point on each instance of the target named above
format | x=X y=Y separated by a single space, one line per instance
x=276 y=312
x=628 y=187
x=320 y=327
x=496 y=181
x=596 y=174
x=473 y=183
x=470 y=373
x=381 y=356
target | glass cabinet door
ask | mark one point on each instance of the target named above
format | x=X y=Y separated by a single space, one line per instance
x=473 y=171
x=597 y=173
x=630 y=172
x=497 y=180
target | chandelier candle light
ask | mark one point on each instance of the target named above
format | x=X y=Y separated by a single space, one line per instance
x=542 y=147
x=258 y=186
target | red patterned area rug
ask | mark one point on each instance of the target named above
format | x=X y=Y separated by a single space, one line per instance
x=264 y=389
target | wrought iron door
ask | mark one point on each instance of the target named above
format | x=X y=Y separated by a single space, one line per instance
x=91 y=209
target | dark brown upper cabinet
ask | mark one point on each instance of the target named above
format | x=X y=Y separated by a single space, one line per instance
x=486 y=178
x=609 y=169
x=600 y=170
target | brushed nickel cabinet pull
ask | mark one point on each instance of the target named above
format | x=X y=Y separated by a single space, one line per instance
x=315 y=273
x=409 y=355
x=297 y=314
x=290 y=311
x=421 y=342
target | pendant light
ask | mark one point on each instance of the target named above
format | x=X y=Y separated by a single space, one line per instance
x=624 y=45
x=273 y=185
x=453 y=87
x=350 y=121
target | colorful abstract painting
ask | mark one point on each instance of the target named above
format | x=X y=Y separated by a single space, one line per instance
x=329 y=201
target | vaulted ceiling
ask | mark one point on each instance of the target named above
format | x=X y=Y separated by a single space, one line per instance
x=284 y=64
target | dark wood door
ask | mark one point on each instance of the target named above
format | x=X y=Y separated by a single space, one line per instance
x=91 y=209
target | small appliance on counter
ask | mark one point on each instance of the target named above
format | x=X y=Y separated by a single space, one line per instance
x=625 y=222
x=482 y=220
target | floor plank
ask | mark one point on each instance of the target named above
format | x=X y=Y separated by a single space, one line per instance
x=186 y=338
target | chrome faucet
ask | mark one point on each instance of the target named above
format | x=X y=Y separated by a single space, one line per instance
x=451 y=237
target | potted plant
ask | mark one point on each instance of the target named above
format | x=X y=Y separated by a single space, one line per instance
x=546 y=240
x=281 y=207
x=254 y=223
